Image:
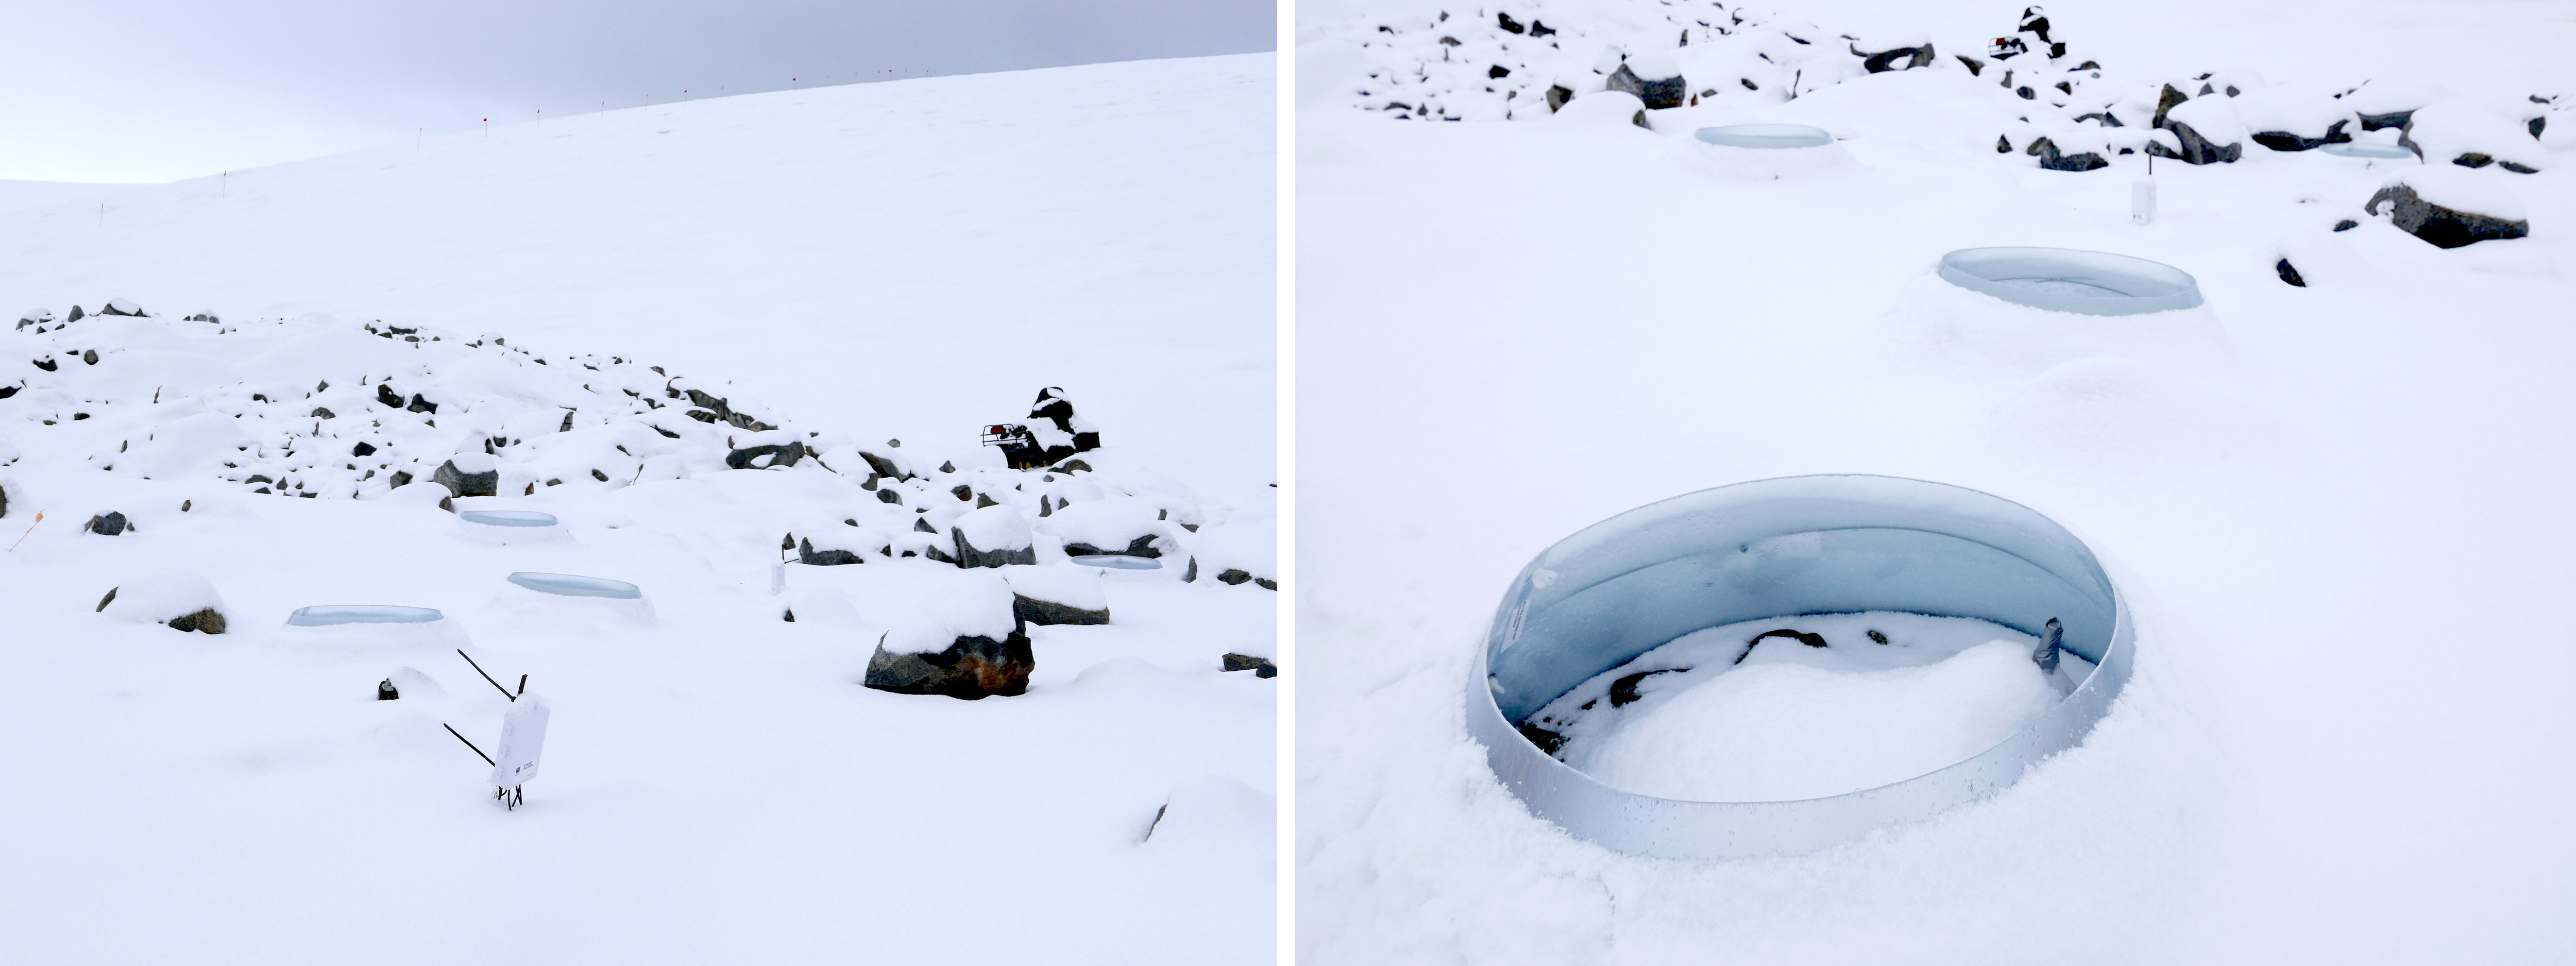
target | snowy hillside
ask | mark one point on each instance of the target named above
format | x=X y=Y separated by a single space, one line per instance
x=678 y=431
x=2334 y=506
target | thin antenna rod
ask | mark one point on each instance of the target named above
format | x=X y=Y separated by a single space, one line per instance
x=478 y=752
x=478 y=669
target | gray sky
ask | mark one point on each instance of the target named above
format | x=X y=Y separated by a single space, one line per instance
x=155 y=90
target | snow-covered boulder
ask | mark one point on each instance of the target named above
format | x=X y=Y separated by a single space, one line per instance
x=2209 y=128
x=1654 y=78
x=1113 y=525
x=2474 y=133
x=836 y=543
x=35 y=316
x=1604 y=109
x=1057 y=594
x=1240 y=552
x=2382 y=104
x=468 y=474
x=951 y=633
x=120 y=307
x=178 y=599
x=2450 y=206
x=993 y=536
x=2293 y=118
x=1883 y=51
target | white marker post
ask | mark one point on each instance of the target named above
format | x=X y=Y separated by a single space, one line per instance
x=2142 y=200
x=523 y=738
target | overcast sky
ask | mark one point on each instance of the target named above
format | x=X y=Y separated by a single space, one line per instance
x=155 y=90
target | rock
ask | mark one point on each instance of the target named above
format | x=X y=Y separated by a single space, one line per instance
x=2346 y=225
x=765 y=457
x=922 y=524
x=2288 y=273
x=89 y=357
x=1557 y=96
x=1191 y=576
x=970 y=669
x=2208 y=129
x=385 y=395
x=75 y=315
x=1655 y=79
x=1072 y=466
x=2476 y=133
x=1233 y=578
x=461 y=483
x=962 y=492
x=1259 y=666
x=403 y=478
x=884 y=467
x=385 y=691
x=1056 y=595
x=1900 y=58
x=948 y=466
x=205 y=620
x=1140 y=547
x=805 y=553
x=995 y=536
x=2050 y=159
x=120 y=307
x=2441 y=223
x=1505 y=21
x=888 y=495
x=320 y=412
x=420 y=405
x=107 y=524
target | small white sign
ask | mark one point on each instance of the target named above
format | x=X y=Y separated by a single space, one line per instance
x=523 y=738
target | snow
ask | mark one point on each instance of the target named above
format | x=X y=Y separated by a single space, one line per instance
x=825 y=262
x=1508 y=331
x=1793 y=722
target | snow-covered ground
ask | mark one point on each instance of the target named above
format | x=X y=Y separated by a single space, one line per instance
x=606 y=315
x=2337 y=510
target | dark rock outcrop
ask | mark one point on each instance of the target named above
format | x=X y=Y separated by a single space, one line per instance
x=204 y=620
x=2286 y=141
x=2289 y=273
x=458 y=483
x=1657 y=92
x=971 y=669
x=968 y=556
x=2445 y=227
x=765 y=457
x=1140 y=547
x=2050 y=159
x=1031 y=610
x=2195 y=149
x=805 y=553
x=1237 y=578
x=107 y=524
x=1901 y=58
x=1259 y=666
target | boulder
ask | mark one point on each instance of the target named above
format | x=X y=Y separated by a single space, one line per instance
x=1655 y=79
x=2449 y=207
x=1056 y=595
x=1259 y=666
x=970 y=669
x=2051 y=159
x=765 y=457
x=107 y=524
x=2209 y=130
x=995 y=536
x=806 y=554
x=2475 y=133
x=177 y=599
x=479 y=477
x=2288 y=118
x=120 y=307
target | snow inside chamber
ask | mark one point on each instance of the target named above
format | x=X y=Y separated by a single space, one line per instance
x=2069 y=280
x=329 y=614
x=1779 y=666
x=503 y=527
x=1765 y=136
x=573 y=600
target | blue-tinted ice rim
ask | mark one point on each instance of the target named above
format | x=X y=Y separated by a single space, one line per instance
x=2072 y=280
x=1772 y=548
x=572 y=585
x=1118 y=561
x=1765 y=136
x=507 y=518
x=327 y=614
x=2376 y=152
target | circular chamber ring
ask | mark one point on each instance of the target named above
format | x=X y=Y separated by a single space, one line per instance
x=2070 y=280
x=1778 y=547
